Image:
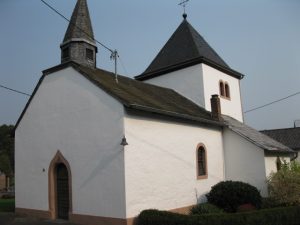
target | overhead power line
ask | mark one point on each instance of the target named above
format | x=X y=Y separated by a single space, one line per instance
x=273 y=102
x=114 y=53
x=14 y=90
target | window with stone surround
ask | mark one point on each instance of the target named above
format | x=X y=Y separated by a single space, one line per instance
x=201 y=162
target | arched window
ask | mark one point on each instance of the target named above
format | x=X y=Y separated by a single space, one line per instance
x=221 y=87
x=227 y=90
x=201 y=162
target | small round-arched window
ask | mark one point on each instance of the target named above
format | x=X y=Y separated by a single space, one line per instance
x=221 y=88
x=227 y=90
x=201 y=162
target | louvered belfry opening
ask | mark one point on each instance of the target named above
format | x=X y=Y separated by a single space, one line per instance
x=62 y=190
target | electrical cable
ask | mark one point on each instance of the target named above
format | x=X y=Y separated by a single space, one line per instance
x=14 y=90
x=273 y=102
x=65 y=18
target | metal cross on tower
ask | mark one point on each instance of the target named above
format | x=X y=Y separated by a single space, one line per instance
x=183 y=3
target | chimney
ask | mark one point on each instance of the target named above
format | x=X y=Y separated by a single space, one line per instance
x=215 y=107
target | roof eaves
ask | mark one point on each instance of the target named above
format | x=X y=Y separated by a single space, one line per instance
x=271 y=149
x=176 y=115
x=190 y=62
x=29 y=101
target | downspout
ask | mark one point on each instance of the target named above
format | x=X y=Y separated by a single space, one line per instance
x=295 y=156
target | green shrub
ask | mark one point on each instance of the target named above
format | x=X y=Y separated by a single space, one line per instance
x=156 y=217
x=284 y=185
x=205 y=208
x=229 y=195
x=7 y=205
x=269 y=202
x=275 y=216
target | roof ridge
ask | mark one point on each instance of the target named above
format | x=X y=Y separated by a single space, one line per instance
x=277 y=129
x=195 y=32
x=186 y=47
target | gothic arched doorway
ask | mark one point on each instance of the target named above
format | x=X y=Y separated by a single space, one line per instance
x=60 y=189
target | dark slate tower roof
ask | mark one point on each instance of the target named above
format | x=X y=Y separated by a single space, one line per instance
x=79 y=44
x=186 y=47
x=80 y=25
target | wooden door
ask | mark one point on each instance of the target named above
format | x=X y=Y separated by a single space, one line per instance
x=62 y=192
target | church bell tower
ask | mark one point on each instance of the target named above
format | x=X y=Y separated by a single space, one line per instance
x=79 y=44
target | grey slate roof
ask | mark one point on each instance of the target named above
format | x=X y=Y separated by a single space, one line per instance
x=287 y=136
x=185 y=47
x=150 y=98
x=142 y=96
x=254 y=136
x=80 y=25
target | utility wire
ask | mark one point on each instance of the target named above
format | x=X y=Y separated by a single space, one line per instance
x=65 y=18
x=122 y=64
x=10 y=89
x=273 y=102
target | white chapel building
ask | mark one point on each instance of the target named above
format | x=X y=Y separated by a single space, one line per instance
x=97 y=151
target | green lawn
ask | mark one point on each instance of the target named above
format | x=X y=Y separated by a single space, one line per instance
x=7 y=205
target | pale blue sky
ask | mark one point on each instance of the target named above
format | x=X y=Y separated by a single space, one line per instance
x=259 y=38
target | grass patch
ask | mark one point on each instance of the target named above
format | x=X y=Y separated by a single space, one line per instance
x=7 y=205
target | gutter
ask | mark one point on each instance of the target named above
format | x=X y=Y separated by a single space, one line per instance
x=174 y=114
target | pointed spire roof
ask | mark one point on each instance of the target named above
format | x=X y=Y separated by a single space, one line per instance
x=186 y=47
x=80 y=26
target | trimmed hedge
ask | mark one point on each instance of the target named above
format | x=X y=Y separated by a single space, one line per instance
x=229 y=195
x=205 y=208
x=275 y=216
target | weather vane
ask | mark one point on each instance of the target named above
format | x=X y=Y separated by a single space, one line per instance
x=183 y=3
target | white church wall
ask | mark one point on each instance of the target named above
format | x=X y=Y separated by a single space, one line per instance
x=70 y=114
x=231 y=107
x=244 y=161
x=270 y=161
x=160 y=163
x=188 y=82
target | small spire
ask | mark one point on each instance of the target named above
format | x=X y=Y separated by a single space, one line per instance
x=79 y=44
x=184 y=15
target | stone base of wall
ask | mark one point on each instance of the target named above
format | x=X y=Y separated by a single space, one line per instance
x=33 y=213
x=98 y=220
x=90 y=220
x=76 y=218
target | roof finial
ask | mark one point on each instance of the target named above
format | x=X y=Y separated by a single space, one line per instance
x=183 y=3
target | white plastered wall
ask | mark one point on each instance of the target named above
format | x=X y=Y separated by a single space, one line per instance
x=187 y=81
x=70 y=114
x=199 y=82
x=160 y=163
x=211 y=78
x=270 y=161
x=244 y=161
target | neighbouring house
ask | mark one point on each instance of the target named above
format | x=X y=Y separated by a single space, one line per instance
x=98 y=150
x=288 y=136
